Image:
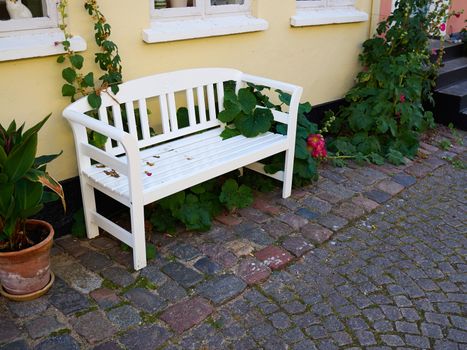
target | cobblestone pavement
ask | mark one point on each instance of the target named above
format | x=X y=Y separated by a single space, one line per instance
x=369 y=257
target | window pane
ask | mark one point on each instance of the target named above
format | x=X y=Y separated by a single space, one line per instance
x=227 y=2
x=35 y=6
x=162 y=4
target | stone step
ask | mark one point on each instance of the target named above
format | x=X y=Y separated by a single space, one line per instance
x=452 y=71
x=451 y=104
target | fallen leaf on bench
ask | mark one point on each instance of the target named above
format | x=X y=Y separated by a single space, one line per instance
x=156 y=156
x=112 y=173
x=148 y=173
x=100 y=166
x=150 y=164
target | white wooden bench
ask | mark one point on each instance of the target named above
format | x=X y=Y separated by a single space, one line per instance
x=137 y=168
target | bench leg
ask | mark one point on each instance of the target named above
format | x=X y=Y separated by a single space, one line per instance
x=89 y=206
x=288 y=174
x=139 y=237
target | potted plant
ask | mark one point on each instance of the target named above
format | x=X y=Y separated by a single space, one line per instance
x=24 y=244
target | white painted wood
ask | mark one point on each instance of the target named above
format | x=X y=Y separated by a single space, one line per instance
x=327 y=15
x=164 y=113
x=191 y=107
x=201 y=104
x=35 y=43
x=172 y=112
x=211 y=102
x=220 y=96
x=152 y=168
x=144 y=119
x=199 y=27
x=259 y=168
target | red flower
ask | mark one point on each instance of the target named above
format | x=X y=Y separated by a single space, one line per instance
x=316 y=146
x=442 y=27
x=457 y=14
x=402 y=98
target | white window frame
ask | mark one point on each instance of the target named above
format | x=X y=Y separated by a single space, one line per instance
x=35 y=37
x=201 y=20
x=49 y=20
x=321 y=12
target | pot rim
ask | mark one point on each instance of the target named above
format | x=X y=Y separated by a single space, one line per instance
x=35 y=246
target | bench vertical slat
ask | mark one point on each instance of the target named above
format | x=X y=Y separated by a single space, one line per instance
x=164 y=114
x=220 y=96
x=131 y=120
x=201 y=104
x=143 y=118
x=172 y=112
x=117 y=117
x=211 y=103
x=103 y=116
x=191 y=107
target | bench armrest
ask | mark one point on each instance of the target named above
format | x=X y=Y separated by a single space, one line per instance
x=80 y=122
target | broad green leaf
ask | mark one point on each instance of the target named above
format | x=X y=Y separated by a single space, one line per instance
x=45 y=159
x=48 y=181
x=228 y=133
x=183 y=119
x=6 y=197
x=28 y=197
x=195 y=217
x=88 y=80
x=77 y=61
x=69 y=75
x=94 y=100
x=301 y=151
x=233 y=196
x=21 y=159
x=284 y=97
x=60 y=59
x=68 y=90
x=253 y=125
x=230 y=112
x=247 y=100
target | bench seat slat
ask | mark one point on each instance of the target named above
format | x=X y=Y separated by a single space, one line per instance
x=178 y=163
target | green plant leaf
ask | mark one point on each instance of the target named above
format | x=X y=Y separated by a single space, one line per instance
x=247 y=100
x=88 y=80
x=60 y=59
x=78 y=228
x=150 y=251
x=77 y=61
x=230 y=112
x=235 y=197
x=69 y=75
x=228 y=133
x=68 y=90
x=94 y=100
x=253 y=125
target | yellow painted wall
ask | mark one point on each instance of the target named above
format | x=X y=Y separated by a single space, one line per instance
x=322 y=59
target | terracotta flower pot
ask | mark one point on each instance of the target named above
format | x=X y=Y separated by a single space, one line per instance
x=27 y=271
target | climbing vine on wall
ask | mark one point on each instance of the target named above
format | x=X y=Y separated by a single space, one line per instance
x=78 y=83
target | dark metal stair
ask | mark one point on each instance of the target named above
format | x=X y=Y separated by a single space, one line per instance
x=451 y=88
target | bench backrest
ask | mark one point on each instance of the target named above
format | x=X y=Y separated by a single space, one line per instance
x=203 y=88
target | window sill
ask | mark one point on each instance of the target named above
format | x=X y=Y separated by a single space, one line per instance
x=36 y=44
x=182 y=29
x=321 y=16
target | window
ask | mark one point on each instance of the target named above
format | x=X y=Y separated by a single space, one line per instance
x=32 y=36
x=44 y=15
x=189 y=19
x=319 y=12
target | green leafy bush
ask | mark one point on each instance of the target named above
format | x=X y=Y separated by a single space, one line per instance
x=249 y=113
x=385 y=114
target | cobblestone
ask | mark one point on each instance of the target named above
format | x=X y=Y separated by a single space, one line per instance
x=391 y=275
